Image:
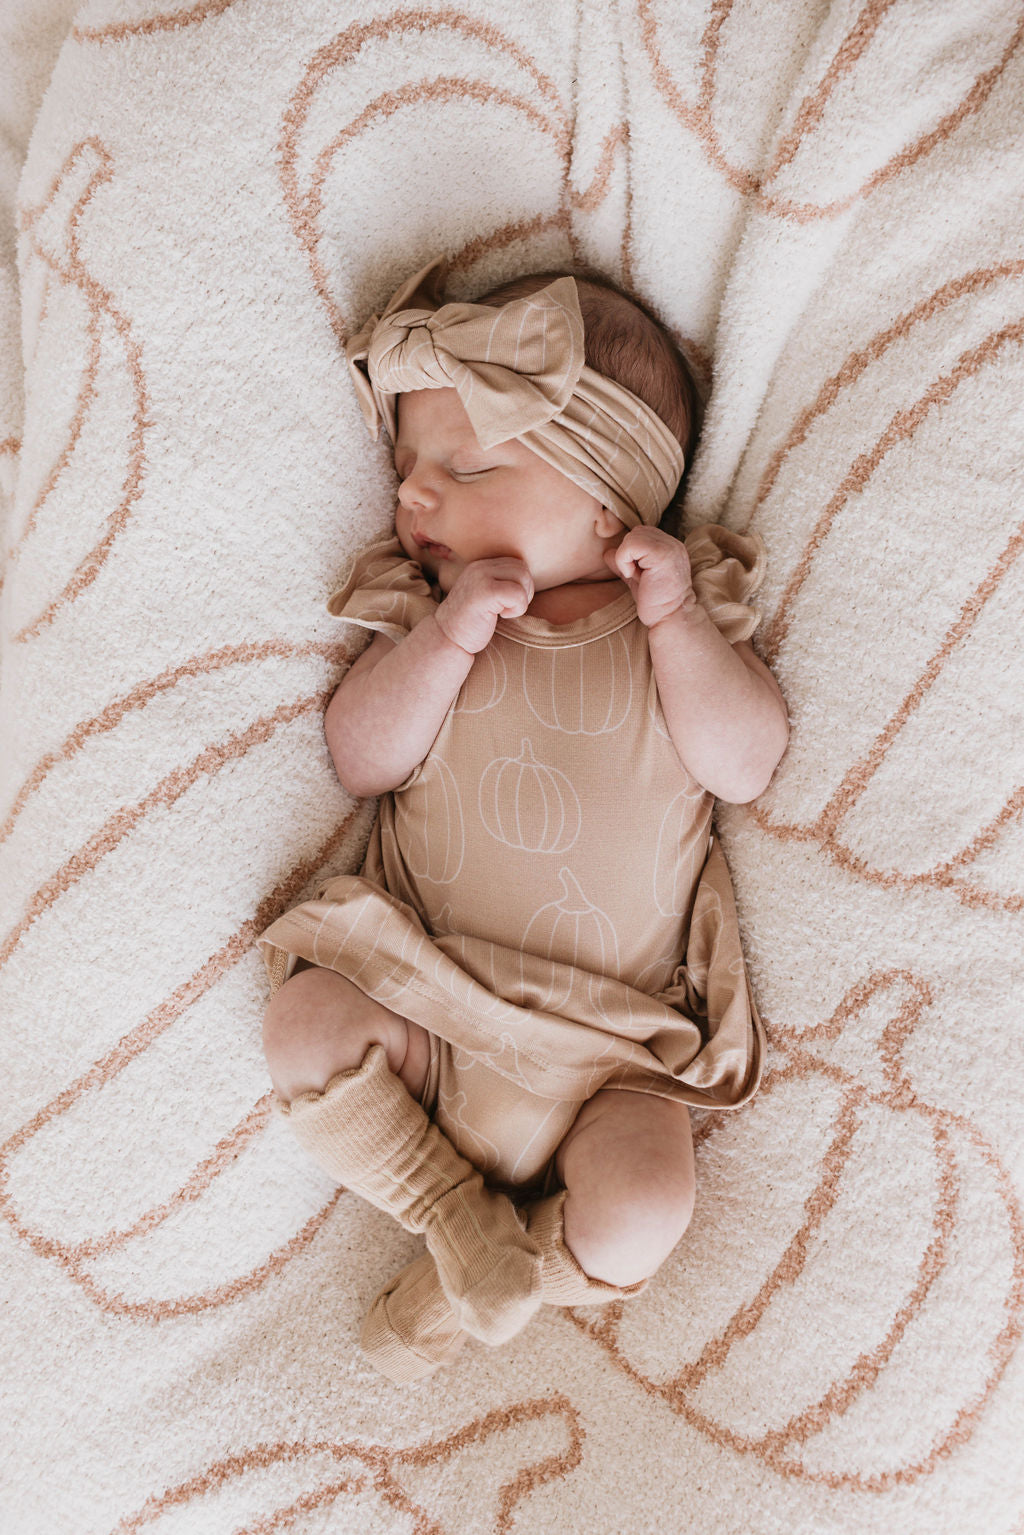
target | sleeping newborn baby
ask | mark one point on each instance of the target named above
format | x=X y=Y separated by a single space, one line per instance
x=494 y=1030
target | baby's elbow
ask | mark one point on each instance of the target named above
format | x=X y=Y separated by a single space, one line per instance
x=358 y=788
x=361 y=781
x=748 y=780
x=355 y=772
x=741 y=790
x=352 y=772
x=368 y=780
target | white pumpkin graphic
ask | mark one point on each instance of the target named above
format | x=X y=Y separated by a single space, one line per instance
x=574 y=931
x=527 y=804
x=456 y=1116
x=523 y=980
x=621 y=1008
x=674 y=871
x=563 y=697
x=435 y=839
x=454 y=964
x=485 y=686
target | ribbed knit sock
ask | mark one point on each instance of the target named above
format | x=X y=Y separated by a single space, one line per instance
x=411 y=1328
x=370 y=1135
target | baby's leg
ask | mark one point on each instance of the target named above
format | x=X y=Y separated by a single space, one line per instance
x=627 y=1170
x=352 y=1072
x=320 y=1024
x=627 y=1164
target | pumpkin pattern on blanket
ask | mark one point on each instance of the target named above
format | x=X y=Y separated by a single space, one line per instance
x=525 y=885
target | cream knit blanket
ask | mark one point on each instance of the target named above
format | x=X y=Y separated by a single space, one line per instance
x=200 y=198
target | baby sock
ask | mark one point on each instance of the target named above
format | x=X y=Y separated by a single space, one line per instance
x=411 y=1329
x=370 y=1135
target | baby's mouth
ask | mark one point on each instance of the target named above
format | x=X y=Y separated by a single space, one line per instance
x=439 y=551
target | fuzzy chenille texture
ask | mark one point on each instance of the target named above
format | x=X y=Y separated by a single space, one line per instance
x=201 y=200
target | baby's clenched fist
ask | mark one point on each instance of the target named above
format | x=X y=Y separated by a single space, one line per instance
x=656 y=568
x=483 y=592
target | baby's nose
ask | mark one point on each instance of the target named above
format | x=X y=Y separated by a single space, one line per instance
x=417 y=490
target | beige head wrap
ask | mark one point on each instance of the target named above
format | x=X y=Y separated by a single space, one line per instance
x=520 y=372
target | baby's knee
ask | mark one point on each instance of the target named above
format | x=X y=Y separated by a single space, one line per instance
x=310 y=1032
x=633 y=1230
x=296 y=1008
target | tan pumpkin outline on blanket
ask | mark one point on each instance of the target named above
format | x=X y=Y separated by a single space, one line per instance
x=776 y=1448
x=208 y=9
x=305 y=210
x=71 y=270
x=73 y=1257
x=699 y=118
x=823 y=831
x=383 y=1464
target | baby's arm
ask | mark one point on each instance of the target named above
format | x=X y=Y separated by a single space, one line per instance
x=386 y=712
x=723 y=707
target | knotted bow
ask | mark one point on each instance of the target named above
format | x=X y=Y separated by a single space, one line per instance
x=519 y=371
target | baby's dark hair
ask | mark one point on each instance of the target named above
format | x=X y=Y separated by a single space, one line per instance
x=627 y=343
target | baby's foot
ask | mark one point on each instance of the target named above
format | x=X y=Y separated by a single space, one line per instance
x=410 y=1330
x=488 y=1264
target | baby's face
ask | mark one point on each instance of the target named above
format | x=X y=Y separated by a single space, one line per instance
x=458 y=503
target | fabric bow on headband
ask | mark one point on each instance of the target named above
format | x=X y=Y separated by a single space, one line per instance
x=519 y=371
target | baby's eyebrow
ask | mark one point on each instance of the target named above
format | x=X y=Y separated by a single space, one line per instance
x=470 y=452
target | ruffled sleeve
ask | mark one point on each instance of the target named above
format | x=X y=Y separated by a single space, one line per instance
x=385 y=591
x=727 y=569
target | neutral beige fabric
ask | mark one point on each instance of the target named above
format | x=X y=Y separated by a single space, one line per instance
x=543 y=892
x=519 y=372
x=410 y=1329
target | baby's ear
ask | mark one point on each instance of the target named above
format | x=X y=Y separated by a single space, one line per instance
x=607 y=524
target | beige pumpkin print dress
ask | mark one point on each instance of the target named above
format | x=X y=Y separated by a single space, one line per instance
x=544 y=893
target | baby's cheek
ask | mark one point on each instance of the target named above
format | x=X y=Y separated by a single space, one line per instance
x=403 y=532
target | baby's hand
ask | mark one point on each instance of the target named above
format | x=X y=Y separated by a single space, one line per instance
x=656 y=568
x=483 y=592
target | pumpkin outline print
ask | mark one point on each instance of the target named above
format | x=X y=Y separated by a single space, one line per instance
x=306 y=168
x=676 y=865
x=439 y=803
x=376 y=1470
x=111 y=1256
x=801 y=154
x=569 y=914
x=486 y=685
x=829 y=817
x=534 y=810
x=462 y=986
x=82 y=1258
x=614 y=1003
x=53 y=234
x=467 y=1137
x=882 y=1085
x=521 y=986
x=559 y=700
x=390 y=932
